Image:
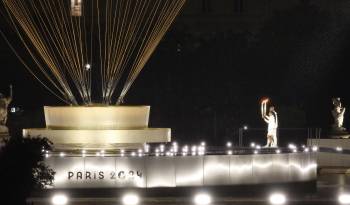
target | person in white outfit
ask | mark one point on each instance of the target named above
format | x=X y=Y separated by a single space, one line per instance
x=272 y=123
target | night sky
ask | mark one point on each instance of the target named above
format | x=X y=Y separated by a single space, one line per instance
x=205 y=85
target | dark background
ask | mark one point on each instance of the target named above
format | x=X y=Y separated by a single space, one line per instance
x=207 y=76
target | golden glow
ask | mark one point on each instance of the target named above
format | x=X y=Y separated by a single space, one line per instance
x=95 y=127
x=97 y=117
x=117 y=37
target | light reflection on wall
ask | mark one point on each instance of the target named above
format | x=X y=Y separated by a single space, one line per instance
x=180 y=171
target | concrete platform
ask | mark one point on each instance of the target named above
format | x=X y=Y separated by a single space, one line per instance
x=181 y=171
x=328 y=155
x=330 y=143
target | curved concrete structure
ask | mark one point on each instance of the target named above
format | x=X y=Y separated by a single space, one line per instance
x=99 y=127
x=97 y=117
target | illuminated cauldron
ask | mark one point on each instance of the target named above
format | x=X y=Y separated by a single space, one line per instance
x=98 y=127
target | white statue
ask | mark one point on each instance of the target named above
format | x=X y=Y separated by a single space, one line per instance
x=338 y=115
x=271 y=119
x=4 y=103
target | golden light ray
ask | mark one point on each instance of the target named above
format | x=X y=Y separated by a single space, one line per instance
x=117 y=37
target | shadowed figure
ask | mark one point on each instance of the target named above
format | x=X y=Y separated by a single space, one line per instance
x=4 y=103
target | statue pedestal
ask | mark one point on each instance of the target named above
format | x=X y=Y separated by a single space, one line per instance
x=4 y=130
x=4 y=135
x=339 y=133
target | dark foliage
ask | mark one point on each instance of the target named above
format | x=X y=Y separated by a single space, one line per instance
x=22 y=169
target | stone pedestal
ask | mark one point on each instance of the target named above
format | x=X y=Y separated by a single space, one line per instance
x=3 y=129
x=4 y=135
x=331 y=157
x=339 y=133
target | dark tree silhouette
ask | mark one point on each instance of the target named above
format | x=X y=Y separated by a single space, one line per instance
x=22 y=169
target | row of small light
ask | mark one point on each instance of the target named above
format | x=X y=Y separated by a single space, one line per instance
x=202 y=198
x=193 y=150
x=159 y=151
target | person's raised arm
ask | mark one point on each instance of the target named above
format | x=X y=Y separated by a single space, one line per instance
x=263 y=111
x=342 y=110
x=263 y=108
x=11 y=92
x=276 y=118
x=9 y=98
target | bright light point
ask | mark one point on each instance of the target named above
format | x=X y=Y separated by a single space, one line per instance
x=339 y=149
x=83 y=151
x=229 y=152
x=256 y=152
x=139 y=151
x=277 y=199
x=306 y=149
x=228 y=144
x=194 y=148
x=245 y=127
x=252 y=144
x=122 y=151
x=102 y=151
x=47 y=151
x=202 y=199
x=130 y=199
x=133 y=154
x=258 y=147
x=59 y=199
x=162 y=148
x=193 y=153
x=344 y=198
x=202 y=143
x=62 y=154
x=278 y=151
x=175 y=147
x=97 y=153
x=87 y=66
x=303 y=146
x=292 y=146
x=46 y=155
x=314 y=148
x=146 y=148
